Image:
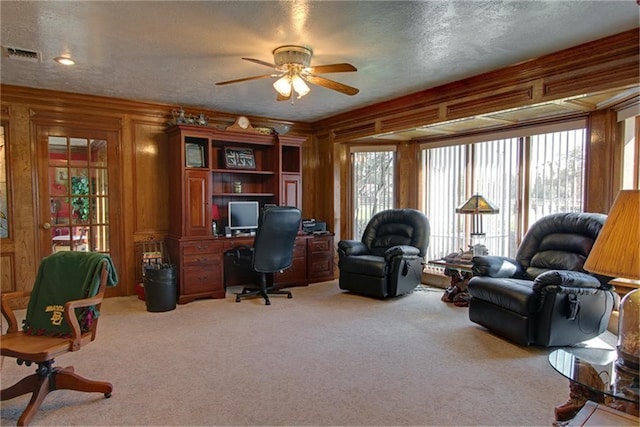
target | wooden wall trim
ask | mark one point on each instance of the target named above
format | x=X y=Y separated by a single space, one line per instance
x=609 y=63
x=75 y=103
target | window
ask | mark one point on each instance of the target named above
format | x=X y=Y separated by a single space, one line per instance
x=631 y=155
x=556 y=173
x=372 y=185
x=527 y=176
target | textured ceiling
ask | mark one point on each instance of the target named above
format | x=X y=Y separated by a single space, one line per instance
x=174 y=52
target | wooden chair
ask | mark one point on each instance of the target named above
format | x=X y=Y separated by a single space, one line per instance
x=42 y=349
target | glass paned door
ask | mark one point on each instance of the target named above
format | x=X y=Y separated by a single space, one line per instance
x=78 y=194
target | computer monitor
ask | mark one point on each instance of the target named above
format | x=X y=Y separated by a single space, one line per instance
x=243 y=216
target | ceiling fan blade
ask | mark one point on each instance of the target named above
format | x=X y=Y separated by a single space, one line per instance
x=330 y=84
x=332 y=68
x=244 y=79
x=257 y=61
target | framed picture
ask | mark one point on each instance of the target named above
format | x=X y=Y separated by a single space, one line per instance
x=239 y=158
x=194 y=155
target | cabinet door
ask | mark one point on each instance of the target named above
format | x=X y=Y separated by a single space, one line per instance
x=195 y=203
x=291 y=191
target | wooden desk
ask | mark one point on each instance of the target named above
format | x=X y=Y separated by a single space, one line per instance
x=204 y=271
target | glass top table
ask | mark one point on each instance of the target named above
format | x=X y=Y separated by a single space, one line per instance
x=595 y=368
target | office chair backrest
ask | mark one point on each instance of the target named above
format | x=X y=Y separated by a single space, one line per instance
x=276 y=235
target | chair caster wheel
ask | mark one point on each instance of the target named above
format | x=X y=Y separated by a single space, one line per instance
x=289 y=296
x=237 y=299
x=267 y=302
x=107 y=395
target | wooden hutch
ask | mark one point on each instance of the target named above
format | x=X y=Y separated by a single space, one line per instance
x=201 y=177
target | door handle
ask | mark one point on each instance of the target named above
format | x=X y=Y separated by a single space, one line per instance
x=46 y=225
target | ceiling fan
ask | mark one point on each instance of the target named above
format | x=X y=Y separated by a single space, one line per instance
x=293 y=69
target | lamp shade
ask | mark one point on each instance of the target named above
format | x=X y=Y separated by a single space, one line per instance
x=283 y=86
x=477 y=204
x=616 y=252
x=215 y=213
x=299 y=86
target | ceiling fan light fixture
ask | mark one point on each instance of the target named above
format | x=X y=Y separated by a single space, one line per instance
x=292 y=63
x=292 y=54
x=299 y=86
x=283 y=86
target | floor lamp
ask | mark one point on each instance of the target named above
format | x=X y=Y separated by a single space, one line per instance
x=616 y=253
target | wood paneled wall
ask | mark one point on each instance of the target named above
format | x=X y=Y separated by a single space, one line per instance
x=142 y=168
x=606 y=64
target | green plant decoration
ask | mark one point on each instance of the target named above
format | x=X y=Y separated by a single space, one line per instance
x=80 y=186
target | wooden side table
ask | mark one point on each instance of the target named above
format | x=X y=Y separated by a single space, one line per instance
x=460 y=273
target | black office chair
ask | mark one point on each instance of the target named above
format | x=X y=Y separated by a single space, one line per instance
x=272 y=251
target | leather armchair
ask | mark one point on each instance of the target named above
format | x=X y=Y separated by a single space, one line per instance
x=389 y=259
x=543 y=296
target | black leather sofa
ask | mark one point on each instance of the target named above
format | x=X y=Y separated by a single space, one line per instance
x=389 y=259
x=543 y=296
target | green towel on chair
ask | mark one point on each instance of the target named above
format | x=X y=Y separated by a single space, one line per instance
x=65 y=276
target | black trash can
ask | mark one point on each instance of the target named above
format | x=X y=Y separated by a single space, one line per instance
x=160 y=289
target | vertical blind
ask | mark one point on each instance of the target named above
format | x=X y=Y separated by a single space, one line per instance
x=373 y=186
x=551 y=180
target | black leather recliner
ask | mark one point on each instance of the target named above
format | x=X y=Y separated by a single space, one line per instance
x=543 y=296
x=389 y=260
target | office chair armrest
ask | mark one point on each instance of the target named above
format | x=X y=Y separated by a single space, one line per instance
x=72 y=319
x=351 y=248
x=404 y=251
x=7 y=311
x=496 y=266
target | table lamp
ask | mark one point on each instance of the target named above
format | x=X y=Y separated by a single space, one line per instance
x=616 y=253
x=215 y=216
x=477 y=206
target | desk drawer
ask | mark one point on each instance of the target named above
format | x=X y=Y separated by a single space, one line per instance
x=230 y=243
x=320 y=266
x=201 y=247
x=295 y=274
x=203 y=279
x=320 y=245
x=201 y=261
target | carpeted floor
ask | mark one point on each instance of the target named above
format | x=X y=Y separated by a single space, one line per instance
x=325 y=357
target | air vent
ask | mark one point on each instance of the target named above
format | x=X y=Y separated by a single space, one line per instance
x=21 y=54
